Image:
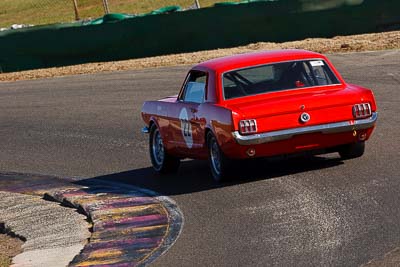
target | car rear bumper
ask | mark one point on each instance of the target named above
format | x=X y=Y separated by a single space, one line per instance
x=329 y=128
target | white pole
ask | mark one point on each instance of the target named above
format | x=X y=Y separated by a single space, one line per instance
x=105 y=5
x=76 y=10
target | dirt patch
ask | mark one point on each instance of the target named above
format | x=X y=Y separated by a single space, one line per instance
x=9 y=247
x=354 y=43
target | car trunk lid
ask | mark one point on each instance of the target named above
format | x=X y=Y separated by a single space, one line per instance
x=280 y=110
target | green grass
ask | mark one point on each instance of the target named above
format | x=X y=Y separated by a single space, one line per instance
x=4 y=261
x=38 y=12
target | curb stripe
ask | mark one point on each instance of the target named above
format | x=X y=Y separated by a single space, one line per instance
x=131 y=226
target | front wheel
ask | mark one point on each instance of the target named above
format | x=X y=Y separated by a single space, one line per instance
x=351 y=151
x=219 y=163
x=162 y=162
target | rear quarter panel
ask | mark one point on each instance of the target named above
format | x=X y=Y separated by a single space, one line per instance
x=219 y=122
x=365 y=95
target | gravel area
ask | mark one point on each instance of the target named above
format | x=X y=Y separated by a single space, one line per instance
x=54 y=234
x=339 y=44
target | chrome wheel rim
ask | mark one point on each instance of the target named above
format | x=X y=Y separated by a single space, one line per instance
x=215 y=156
x=158 y=148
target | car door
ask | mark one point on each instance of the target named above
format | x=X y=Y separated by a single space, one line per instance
x=187 y=124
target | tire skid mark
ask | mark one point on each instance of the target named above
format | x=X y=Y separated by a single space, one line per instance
x=300 y=219
x=318 y=213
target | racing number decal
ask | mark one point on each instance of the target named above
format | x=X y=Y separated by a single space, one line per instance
x=185 y=124
x=186 y=128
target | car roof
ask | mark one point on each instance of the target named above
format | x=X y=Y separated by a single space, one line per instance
x=256 y=58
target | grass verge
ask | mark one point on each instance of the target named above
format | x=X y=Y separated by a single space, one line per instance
x=49 y=11
x=9 y=247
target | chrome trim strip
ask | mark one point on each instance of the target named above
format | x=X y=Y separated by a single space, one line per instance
x=145 y=130
x=337 y=127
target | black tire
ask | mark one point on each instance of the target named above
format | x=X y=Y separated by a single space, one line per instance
x=160 y=159
x=351 y=151
x=220 y=171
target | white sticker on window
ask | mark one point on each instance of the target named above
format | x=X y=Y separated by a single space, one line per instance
x=317 y=63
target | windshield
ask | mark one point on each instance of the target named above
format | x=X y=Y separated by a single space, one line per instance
x=277 y=77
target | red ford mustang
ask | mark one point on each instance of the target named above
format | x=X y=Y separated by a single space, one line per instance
x=259 y=105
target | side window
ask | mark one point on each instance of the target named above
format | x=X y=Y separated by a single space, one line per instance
x=195 y=87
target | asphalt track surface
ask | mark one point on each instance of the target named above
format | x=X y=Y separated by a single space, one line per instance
x=317 y=211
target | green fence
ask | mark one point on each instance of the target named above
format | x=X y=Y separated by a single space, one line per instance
x=193 y=30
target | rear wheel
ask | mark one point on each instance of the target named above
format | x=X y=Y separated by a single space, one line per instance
x=219 y=163
x=162 y=162
x=351 y=151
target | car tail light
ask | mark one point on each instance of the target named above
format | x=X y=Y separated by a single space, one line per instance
x=248 y=126
x=362 y=110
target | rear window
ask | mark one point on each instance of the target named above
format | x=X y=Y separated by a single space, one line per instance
x=277 y=77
